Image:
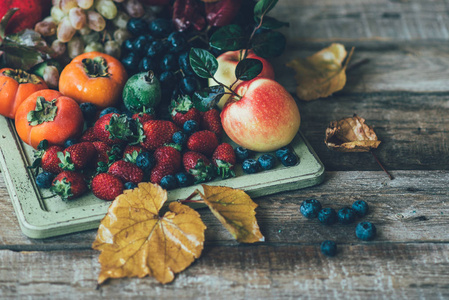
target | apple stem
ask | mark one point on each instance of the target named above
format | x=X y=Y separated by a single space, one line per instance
x=380 y=164
x=225 y=86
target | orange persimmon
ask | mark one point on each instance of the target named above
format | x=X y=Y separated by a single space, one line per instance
x=94 y=77
x=49 y=115
x=15 y=86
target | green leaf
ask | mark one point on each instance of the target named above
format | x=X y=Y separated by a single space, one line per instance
x=272 y=23
x=207 y=98
x=203 y=63
x=263 y=7
x=269 y=44
x=248 y=69
x=228 y=38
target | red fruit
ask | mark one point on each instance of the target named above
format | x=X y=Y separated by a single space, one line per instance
x=224 y=159
x=50 y=160
x=29 y=13
x=143 y=117
x=182 y=110
x=168 y=155
x=77 y=156
x=160 y=171
x=69 y=184
x=107 y=186
x=204 y=141
x=199 y=166
x=88 y=135
x=103 y=150
x=158 y=132
x=131 y=152
x=211 y=121
x=112 y=129
x=126 y=171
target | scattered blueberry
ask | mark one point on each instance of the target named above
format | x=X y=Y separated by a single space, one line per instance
x=282 y=151
x=89 y=111
x=109 y=110
x=241 y=153
x=184 y=179
x=169 y=182
x=327 y=216
x=145 y=161
x=70 y=142
x=44 y=180
x=360 y=207
x=310 y=208
x=190 y=127
x=130 y=185
x=250 y=166
x=136 y=26
x=346 y=215
x=365 y=231
x=189 y=84
x=289 y=159
x=179 y=138
x=266 y=161
x=329 y=248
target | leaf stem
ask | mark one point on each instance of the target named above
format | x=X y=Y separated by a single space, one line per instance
x=225 y=86
x=252 y=35
x=380 y=164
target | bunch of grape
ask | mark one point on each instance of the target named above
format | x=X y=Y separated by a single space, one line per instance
x=158 y=47
x=78 y=26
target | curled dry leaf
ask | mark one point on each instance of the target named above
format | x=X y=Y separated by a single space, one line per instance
x=235 y=210
x=135 y=241
x=351 y=135
x=321 y=74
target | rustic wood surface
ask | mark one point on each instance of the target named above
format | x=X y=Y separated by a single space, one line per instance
x=402 y=90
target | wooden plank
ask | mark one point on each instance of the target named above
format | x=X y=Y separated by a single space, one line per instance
x=368 y=270
x=410 y=208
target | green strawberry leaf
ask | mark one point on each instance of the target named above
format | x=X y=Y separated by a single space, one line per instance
x=248 y=69
x=228 y=38
x=268 y=44
x=203 y=63
x=207 y=98
x=271 y=23
x=263 y=7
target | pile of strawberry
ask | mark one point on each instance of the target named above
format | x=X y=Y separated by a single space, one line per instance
x=120 y=150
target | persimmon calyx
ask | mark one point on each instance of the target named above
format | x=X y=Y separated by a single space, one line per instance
x=96 y=67
x=22 y=76
x=45 y=111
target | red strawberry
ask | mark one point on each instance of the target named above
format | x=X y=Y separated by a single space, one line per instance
x=88 y=135
x=107 y=186
x=199 y=166
x=103 y=151
x=204 y=141
x=112 y=129
x=143 y=117
x=157 y=132
x=77 y=156
x=126 y=171
x=50 y=160
x=182 y=110
x=211 y=121
x=168 y=155
x=69 y=184
x=224 y=159
x=130 y=149
x=160 y=171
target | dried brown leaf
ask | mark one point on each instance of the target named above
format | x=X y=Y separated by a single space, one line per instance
x=135 y=241
x=321 y=74
x=351 y=135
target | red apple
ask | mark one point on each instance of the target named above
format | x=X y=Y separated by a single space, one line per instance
x=227 y=62
x=265 y=118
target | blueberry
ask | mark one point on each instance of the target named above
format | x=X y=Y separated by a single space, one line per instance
x=184 y=179
x=184 y=63
x=128 y=45
x=167 y=80
x=70 y=142
x=131 y=62
x=145 y=161
x=282 y=151
x=44 y=180
x=346 y=215
x=365 y=231
x=140 y=45
x=241 y=153
x=310 y=208
x=169 y=62
x=250 y=166
x=329 y=248
x=89 y=110
x=148 y=63
x=136 y=26
x=190 y=127
x=327 y=216
x=189 y=85
x=289 y=159
x=130 y=185
x=109 y=110
x=179 y=138
x=169 y=182
x=177 y=42
x=266 y=161
x=360 y=207
x=161 y=27
x=156 y=48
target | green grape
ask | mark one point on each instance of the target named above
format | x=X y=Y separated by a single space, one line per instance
x=121 y=19
x=112 y=48
x=121 y=35
x=46 y=27
x=65 y=30
x=58 y=48
x=85 y=30
x=91 y=37
x=75 y=47
x=134 y=8
x=106 y=8
x=51 y=76
x=57 y=14
x=94 y=46
x=95 y=21
x=85 y=4
x=67 y=5
x=77 y=17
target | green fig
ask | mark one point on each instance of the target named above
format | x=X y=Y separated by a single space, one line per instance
x=142 y=91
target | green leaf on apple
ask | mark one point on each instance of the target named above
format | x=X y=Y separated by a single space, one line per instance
x=203 y=63
x=208 y=97
x=263 y=7
x=269 y=44
x=248 y=69
x=228 y=38
x=271 y=23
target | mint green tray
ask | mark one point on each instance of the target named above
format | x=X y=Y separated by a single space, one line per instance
x=42 y=214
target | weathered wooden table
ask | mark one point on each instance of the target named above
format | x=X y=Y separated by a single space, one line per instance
x=402 y=90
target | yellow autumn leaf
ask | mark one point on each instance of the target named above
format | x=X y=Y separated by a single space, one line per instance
x=321 y=74
x=135 y=241
x=235 y=210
